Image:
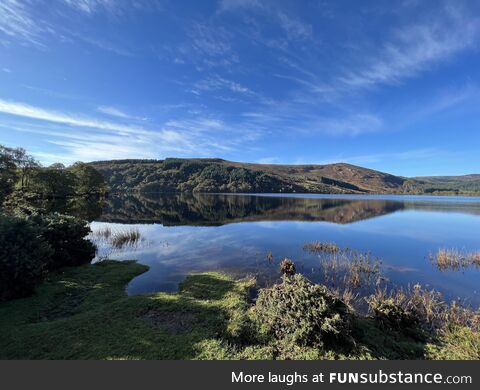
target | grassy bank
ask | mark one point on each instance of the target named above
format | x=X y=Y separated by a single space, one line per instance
x=84 y=313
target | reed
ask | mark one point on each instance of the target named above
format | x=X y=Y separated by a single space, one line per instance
x=317 y=246
x=454 y=259
x=124 y=238
x=418 y=307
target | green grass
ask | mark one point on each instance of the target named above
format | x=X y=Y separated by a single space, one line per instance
x=84 y=313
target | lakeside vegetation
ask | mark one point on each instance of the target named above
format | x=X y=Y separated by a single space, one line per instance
x=84 y=313
x=34 y=242
x=454 y=259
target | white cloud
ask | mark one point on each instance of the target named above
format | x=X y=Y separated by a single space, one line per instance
x=294 y=28
x=414 y=49
x=6 y=70
x=208 y=46
x=115 y=112
x=16 y=22
x=91 y=6
x=217 y=83
x=88 y=138
x=27 y=111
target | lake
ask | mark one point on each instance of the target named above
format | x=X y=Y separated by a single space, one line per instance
x=250 y=234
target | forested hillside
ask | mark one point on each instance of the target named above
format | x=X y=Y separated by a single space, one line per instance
x=216 y=175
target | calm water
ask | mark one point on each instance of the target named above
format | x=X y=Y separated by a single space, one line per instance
x=191 y=233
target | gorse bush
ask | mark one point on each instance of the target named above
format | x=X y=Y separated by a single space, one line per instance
x=287 y=267
x=32 y=246
x=66 y=236
x=24 y=255
x=300 y=312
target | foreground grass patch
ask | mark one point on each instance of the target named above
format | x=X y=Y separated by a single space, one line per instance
x=84 y=313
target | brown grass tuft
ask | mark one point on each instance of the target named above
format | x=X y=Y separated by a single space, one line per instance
x=454 y=259
x=317 y=246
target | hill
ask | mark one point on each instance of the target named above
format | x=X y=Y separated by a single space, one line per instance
x=462 y=184
x=216 y=175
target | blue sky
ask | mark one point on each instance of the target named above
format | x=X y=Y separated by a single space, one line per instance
x=391 y=85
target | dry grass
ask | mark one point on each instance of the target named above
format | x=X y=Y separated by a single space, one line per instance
x=104 y=233
x=125 y=238
x=350 y=274
x=317 y=246
x=415 y=306
x=109 y=240
x=454 y=259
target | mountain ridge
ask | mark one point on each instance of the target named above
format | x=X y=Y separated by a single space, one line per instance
x=219 y=175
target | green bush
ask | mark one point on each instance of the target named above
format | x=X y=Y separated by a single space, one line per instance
x=302 y=313
x=66 y=235
x=24 y=254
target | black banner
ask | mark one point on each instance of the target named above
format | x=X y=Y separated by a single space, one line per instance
x=239 y=374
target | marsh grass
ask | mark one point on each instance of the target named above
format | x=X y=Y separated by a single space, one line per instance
x=454 y=259
x=317 y=246
x=110 y=240
x=419 y=308
x=349 y=273
x=124 y=238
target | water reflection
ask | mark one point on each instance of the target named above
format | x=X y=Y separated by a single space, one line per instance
x=248 y=234
x=217 y=210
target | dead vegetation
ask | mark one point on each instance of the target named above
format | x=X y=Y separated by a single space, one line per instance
x=112 y=239
x=124 y=238
x=317 y=246
x=416 y=308
x=454 y=259
x=349 y=273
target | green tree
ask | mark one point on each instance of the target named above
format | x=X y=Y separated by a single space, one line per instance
x=8 y=171
x=88 y=181
x=52 y=182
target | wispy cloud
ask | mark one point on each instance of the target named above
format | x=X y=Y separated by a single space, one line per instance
x=6 y=70
x=208 y=45
x=216 y=83
x=91 y=6
x=88 y=138
x=18 y=24
x=294 y=28
x=413 y=49
x=112 y=7
x=27 y=111
x=115 y=112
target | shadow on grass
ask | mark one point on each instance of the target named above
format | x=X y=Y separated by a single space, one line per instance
x=84 y=313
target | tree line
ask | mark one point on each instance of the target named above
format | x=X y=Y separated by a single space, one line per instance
x=35 y=242
x=20 y=174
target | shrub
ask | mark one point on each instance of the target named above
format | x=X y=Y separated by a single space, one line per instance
x=66 y=235
x=24 y=254
x=287 y=267
x=302 y=313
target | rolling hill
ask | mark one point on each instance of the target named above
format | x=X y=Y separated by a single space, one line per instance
x=216 y=175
